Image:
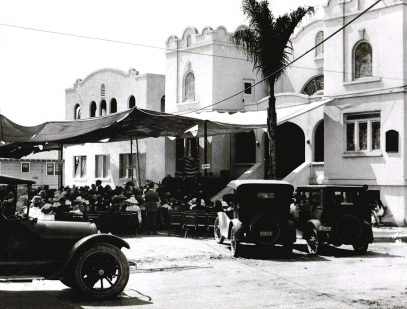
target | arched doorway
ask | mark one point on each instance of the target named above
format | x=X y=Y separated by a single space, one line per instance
x=319 y=143
x=290 y=148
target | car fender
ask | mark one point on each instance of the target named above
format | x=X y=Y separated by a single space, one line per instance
x=311 y=224
x=88 y=241
x=291 y=232
x=224 y=222
x=368 y=231
x=237 y=224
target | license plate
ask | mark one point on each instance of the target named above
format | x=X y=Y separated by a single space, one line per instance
x=325 y=228
x=266 y=233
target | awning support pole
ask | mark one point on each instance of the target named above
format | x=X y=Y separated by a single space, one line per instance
x=138 y=162
x=61 y=165
x=205 y=146
x=131 y=159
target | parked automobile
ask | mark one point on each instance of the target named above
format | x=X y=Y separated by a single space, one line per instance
x=337 y=215
x=72 y=252
x=259 y=214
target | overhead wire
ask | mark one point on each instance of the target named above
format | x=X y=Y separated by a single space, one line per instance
x=204 y=54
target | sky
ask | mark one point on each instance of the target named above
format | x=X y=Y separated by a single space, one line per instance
x=45 y=45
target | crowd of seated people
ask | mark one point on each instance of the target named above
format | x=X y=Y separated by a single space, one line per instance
x=81 y=203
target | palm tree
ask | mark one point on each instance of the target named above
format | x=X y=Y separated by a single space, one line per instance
x=267 y=43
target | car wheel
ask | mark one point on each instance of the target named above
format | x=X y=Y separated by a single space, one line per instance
x=102 y=271
x=360 y=248
x=235 y=245
x=312 y=241
x=218 y=236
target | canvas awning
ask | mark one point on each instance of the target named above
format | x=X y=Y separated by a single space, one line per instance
x=224 y=123
x=17 y=141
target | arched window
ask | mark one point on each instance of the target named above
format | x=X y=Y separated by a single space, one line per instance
x=132 y=101
x=362 y=60
x=113 y=106
x=189 y=87
x=313 y=85
x=189 y=38
x=92 y=110
x=392 y=141
x=77 y=111
x=103 y=91
x=103 y=108
x=319 y=51
x=162 y=108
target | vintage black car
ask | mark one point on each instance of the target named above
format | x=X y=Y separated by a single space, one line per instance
x=337 y=215
x=72 y=252
x=259 y=214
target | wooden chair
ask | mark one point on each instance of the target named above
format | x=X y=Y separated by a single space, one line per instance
x=190 y=223
x=175 y=220
x=210 y=219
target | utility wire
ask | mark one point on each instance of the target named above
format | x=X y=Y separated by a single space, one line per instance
x=295 y=60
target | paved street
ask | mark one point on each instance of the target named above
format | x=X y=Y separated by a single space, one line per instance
x=173 y=272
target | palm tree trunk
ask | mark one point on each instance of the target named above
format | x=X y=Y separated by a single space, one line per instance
x=271 y=128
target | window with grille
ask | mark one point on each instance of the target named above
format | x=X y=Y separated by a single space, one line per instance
x=25 y=167
x=79 y=166
x=362 y=60
x=362 y=132
x=50 y=169
x=101 y=166
x=127 y=165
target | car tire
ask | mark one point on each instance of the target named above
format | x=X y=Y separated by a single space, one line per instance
x=218 y=235
x=235 y=246
x=102 y=271
x=313 y=245
x=360 y=248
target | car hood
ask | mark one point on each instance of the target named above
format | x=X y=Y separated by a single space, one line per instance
x=62 y=229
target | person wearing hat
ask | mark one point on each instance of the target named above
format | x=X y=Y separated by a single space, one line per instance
x=151 y=200
x=132 y=205
x=35 y=207
x=9 y=204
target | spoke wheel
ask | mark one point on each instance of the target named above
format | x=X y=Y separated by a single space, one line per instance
x=102 y=271
x=312 y=241
x=218 y=236
x=235 y=246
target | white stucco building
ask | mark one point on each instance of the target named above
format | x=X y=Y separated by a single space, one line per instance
x=105 y=92
x=354 y=137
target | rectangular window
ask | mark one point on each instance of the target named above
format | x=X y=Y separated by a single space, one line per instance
x=248 y=91
x=25 y=167
x=248 y=88
x=362 y=132
x=58 y=168
x=79 y=166
x=101 y=166
x=50 y=169
x=127 y=165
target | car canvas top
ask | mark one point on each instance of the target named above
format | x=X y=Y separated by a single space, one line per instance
x=236 y=183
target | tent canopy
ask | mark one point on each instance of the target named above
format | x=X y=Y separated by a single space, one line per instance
x=17 y=141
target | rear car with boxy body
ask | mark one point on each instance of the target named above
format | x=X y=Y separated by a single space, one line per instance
x=259 y=213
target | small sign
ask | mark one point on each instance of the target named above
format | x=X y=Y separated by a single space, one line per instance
x=206 y=166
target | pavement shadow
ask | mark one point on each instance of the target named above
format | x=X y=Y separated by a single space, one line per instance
x=345 y=251
x=67 y=299
x=275 y=253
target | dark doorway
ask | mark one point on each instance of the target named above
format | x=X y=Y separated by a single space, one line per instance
x=290 y=148
x=319 y=143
